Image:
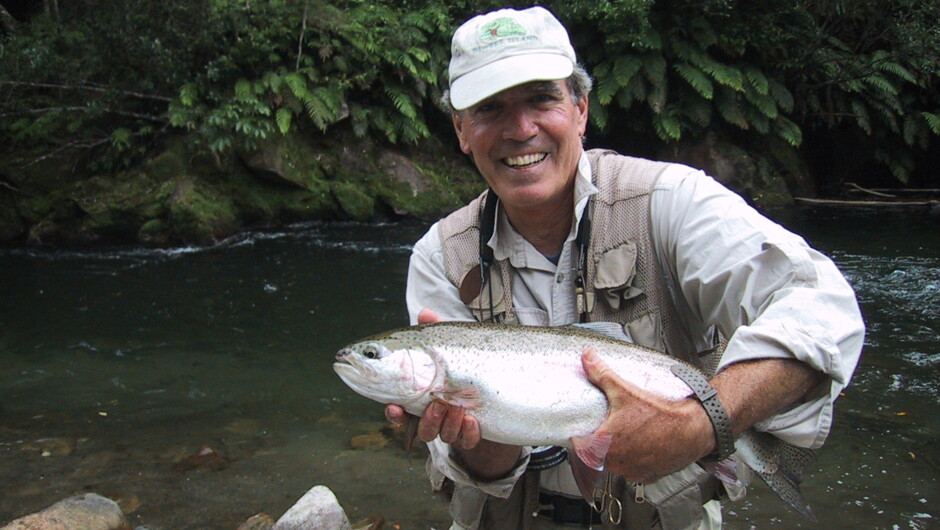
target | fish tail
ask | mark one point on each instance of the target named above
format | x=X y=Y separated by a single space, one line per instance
x=791 y=462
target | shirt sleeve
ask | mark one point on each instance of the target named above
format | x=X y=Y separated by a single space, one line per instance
x=763 y=287
x=428 y=287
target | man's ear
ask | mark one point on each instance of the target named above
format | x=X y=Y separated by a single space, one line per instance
x=583 y=106
x=458 y=128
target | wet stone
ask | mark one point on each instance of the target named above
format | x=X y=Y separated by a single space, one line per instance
x=205 y=458
x=318 y=509
x=89 y=511
x=58 y=446
x=371 y=441
x=259 y=521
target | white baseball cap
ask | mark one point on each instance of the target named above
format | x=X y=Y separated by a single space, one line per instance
x=506 y=48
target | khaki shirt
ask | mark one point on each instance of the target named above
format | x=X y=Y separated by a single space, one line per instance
x=726 y=264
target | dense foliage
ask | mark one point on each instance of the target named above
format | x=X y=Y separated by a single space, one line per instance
x=101 y=83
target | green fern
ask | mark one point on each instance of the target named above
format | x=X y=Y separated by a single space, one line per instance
x=283 y=117
x=667 y=125
x=862 y=118
x=933 y=121
x=757 y=80
x=696 y=79
x=789 y=131
x=730 y=108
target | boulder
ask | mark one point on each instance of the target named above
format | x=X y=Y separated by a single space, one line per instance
x=88 y=511
x=318 y=509
x=759 y=180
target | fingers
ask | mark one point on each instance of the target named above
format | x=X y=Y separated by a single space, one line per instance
x=428 y=316
x=469 y=433
x=450 y=423
x=598 y=372
x=394 y=414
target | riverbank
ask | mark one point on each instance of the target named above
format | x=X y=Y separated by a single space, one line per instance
x=182 y=195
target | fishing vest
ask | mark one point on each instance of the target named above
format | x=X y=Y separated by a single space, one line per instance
x=624 y=281
x=624 y=284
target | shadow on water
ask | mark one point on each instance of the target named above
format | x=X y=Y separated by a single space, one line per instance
x=118 y=368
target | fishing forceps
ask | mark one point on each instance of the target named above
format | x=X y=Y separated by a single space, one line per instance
x=608 y=502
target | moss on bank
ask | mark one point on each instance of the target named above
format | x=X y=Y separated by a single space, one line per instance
x=182 y=196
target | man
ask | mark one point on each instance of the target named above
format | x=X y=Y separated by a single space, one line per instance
x=668 y=253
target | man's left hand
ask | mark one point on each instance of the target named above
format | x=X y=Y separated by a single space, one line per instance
x=651 y=437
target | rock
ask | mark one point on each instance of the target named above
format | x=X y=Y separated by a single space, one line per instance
x=60 y=446
x=755 y=178
x=402 y=169
x=205 y=458
x=372 y=441
x=89 y=511
x=201 y=213
x=258 y=521
x=318 y=509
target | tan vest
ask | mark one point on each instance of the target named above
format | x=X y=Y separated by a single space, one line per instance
x=624 y=284
x=624 y=280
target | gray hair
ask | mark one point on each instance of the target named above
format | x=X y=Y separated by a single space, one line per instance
x=579 y=84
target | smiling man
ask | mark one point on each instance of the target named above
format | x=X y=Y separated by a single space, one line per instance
x=565 y=235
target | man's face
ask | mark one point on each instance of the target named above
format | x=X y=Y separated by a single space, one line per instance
x=526 y=141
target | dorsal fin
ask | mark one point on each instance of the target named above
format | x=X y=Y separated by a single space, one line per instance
x=611 y=330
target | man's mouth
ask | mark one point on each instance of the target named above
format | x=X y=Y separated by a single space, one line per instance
x=524 y=160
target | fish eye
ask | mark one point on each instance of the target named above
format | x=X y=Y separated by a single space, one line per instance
x=371 y=352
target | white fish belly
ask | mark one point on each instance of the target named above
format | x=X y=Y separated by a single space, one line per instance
x=544 y=397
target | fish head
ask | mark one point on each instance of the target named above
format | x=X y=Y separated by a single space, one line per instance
x=387 y=371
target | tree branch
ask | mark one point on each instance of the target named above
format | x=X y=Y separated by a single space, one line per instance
x=148 y=117
x=140 y=95
x=7 y=22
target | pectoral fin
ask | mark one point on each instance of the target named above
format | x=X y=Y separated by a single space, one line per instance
x=587 y=462
x=468 y=397
x=592 y=449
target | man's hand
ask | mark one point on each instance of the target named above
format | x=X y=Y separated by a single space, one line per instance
x=440 y=419
x=651 y=437
x=483 y=459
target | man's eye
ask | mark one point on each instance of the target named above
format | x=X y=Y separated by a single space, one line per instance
x=545 y=98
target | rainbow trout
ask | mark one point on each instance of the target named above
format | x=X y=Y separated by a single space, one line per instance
x=526 y=386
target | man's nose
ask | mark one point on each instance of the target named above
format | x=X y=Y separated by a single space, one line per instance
x=520 y=125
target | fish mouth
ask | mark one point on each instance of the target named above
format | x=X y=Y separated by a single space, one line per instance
x=343 y=356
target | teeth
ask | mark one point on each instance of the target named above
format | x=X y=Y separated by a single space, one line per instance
x=524 y=160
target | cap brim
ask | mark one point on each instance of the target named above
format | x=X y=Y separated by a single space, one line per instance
x=473 y=87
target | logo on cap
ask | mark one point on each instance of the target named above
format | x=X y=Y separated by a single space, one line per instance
x=501 y=28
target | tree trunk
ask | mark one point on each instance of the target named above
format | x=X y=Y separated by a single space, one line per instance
x=52 y=9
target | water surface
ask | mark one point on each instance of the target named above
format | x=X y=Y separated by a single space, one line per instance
x=117 y=367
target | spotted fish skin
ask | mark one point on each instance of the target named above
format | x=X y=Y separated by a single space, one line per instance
x=526 y=386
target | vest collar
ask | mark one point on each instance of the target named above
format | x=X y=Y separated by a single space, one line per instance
x=508 y=244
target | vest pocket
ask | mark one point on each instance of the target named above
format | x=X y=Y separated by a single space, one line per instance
x=615 y=273
x=476 y=295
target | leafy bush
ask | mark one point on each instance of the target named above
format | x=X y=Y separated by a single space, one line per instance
x=109 y=79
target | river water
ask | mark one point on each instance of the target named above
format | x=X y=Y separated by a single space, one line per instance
x=195 y=386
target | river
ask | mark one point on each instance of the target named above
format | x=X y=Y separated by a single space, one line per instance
x=119 y=366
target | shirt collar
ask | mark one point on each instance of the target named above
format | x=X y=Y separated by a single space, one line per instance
x=507 y=243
